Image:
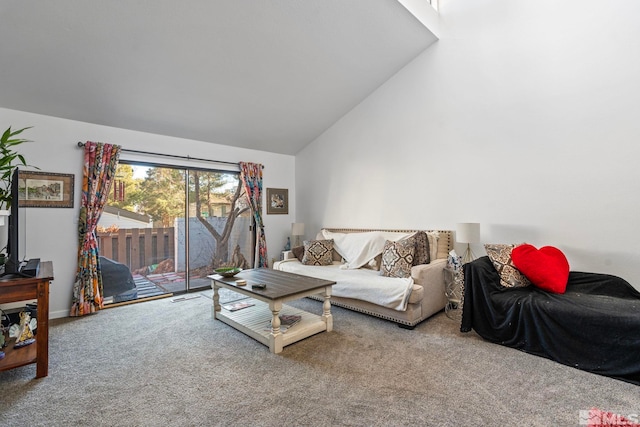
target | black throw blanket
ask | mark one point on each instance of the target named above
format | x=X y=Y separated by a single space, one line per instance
x=593 y=326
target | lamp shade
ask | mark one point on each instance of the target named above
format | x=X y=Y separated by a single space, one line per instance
x=468 y=232
x=297 y=229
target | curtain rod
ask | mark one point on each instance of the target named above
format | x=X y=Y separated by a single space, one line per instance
x=81 y=144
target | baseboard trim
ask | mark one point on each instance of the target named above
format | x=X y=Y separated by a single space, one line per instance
x=66 y=313
x=58 y=314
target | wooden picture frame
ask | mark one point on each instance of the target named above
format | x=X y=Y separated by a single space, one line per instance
x=45 y=189
x=277 y=201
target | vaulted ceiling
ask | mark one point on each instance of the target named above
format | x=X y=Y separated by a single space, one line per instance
x=268 y=75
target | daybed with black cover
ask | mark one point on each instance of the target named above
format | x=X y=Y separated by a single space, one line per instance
x=594 y=325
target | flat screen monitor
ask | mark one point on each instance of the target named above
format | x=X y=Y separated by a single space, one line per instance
x=12 y=265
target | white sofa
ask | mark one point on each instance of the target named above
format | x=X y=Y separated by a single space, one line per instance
x=404 y=301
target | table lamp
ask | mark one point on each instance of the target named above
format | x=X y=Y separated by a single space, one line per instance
x=297 y=230
x=468 y=232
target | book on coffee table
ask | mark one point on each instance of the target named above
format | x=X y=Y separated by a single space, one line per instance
x=289 y=319
x=286 y=321
x=238 y=306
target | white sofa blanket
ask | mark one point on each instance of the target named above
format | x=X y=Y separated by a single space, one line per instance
x=363 y=284
x=357 y=249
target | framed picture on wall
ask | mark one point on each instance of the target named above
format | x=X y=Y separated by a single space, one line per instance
x=277 y=201
x=45 y=190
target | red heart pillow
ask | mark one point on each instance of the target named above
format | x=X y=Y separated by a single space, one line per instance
x=546 y=268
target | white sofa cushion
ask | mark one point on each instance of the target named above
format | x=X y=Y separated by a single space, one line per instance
x=362 y=283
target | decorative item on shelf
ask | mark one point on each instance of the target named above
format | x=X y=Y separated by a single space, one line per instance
x=227 y=271
x=297 y=230
x=287 y=246
x=24 y=331
x=468 y=232
x=32 y=309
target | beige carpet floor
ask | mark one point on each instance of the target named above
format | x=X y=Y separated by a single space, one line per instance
x=165 y=363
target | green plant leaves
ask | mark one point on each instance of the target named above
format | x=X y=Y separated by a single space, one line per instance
x=10 y=159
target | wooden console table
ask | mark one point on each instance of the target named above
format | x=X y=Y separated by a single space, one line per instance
x=22 y=289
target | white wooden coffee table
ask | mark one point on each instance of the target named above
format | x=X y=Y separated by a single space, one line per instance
x=281 y=287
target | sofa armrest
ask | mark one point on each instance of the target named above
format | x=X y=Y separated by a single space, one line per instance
x=431 y=278
x=429 y=275
x=287 y=255
x=277 y=264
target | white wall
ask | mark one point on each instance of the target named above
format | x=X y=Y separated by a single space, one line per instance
x=524 y=117
x=52 y=232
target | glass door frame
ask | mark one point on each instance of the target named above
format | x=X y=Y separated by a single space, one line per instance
x=187 y=173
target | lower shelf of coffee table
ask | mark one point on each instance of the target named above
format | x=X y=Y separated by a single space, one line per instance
x=255 y=321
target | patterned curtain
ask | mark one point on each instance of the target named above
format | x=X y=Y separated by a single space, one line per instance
x=100 y=162
x=251 y=175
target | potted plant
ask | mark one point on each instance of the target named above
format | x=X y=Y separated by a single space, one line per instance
x=10 y=159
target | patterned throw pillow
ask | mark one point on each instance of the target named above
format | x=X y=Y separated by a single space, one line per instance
x=318 y=252
x=421 y=255
x=397 y=258
x=500 y=256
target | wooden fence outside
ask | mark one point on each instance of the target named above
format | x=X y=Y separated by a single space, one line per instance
x=138 y=247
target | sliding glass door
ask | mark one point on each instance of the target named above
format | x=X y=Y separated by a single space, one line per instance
x=219 y=225
x=169 y=228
